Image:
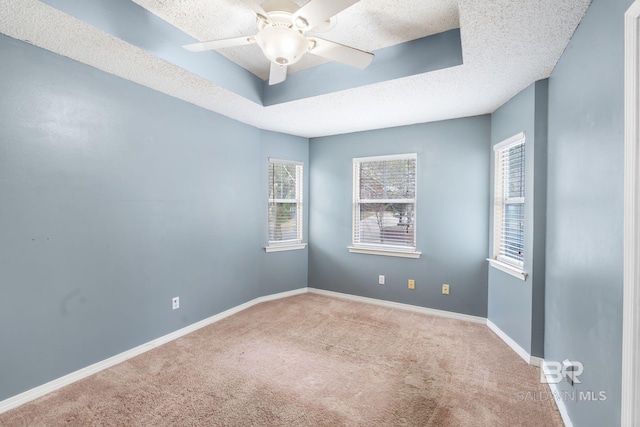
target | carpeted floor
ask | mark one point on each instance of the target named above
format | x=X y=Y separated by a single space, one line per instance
x=310 y=360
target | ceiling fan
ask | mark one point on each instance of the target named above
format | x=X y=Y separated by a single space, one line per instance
x=281 y=35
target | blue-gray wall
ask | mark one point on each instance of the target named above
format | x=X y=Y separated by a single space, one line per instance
x=116 y=198
x=585 y=211
x=283 y=271
x=514 y=305
x=419 y=56
x=451 y=222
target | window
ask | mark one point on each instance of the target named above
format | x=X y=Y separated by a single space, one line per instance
x=509 y=197
x=285 y=205
x=384 y=205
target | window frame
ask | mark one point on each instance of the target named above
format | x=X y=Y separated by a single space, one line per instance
x=377 y=248
x=499 y=259
x=289 y=244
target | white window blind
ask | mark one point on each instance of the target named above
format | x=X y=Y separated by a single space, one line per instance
x=509 y=200
x=384 y=202
x=285 y=202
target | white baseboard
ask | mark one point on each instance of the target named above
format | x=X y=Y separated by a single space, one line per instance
x=559 y=402
x=408 y=307
x=531 y=360
x=34 y=393
x=536 y=361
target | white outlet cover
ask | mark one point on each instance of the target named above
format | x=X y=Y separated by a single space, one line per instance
x=175 y=302
x=381 y=279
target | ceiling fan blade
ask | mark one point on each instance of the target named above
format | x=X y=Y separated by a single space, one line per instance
x=277 y=74
x=316 y=12
x=219 y=44
x=340 y=53
x=260 y=13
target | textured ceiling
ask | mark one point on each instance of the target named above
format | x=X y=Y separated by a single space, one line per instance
x=368 y=25
x=506 y=45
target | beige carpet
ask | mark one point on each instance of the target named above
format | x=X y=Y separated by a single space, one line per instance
x=310 y=360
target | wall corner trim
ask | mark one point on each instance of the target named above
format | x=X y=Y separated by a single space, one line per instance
x=37 y=392
x=630 y=405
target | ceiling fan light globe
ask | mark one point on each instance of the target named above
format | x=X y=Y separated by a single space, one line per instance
x=282 y=45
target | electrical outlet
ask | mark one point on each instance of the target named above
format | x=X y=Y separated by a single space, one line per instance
x=445 y=289
x=412 y=284
x=175 y=302
x=381 y=279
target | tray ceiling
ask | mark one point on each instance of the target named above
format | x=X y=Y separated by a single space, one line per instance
x=506 y=46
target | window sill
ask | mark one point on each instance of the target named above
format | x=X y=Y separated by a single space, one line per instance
x=281 y=248
x=384 y=252
x=508 y=268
